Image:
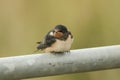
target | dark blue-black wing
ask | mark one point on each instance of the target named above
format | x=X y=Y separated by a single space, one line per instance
x=47 y=42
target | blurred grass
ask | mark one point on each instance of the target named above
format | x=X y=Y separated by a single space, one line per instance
x=92 y=22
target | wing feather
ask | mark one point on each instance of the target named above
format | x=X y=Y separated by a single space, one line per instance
x=48 y=41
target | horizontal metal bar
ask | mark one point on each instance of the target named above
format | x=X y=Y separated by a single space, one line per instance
x=39 y=65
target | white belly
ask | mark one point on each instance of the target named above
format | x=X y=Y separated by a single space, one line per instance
x=60 y=46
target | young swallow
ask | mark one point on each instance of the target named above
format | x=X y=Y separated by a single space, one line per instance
x=57 y=40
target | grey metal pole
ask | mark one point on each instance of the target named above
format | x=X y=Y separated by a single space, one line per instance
x=81 y=60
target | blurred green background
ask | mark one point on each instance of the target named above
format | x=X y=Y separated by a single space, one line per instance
x=92 y=22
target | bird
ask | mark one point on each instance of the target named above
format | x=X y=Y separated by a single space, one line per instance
x=57 y=40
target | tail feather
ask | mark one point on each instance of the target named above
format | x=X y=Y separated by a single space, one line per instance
x=39 y=42
x=41 y=46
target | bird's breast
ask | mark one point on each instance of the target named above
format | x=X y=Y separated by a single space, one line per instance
x=60 y=45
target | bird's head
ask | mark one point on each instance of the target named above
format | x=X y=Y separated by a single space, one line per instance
x=59 y=31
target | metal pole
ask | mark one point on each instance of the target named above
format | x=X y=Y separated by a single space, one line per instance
x=39 y=65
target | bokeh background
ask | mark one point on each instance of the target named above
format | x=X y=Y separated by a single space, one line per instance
x=92 y=22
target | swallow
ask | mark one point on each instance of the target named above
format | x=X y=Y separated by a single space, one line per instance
x=57 y=40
